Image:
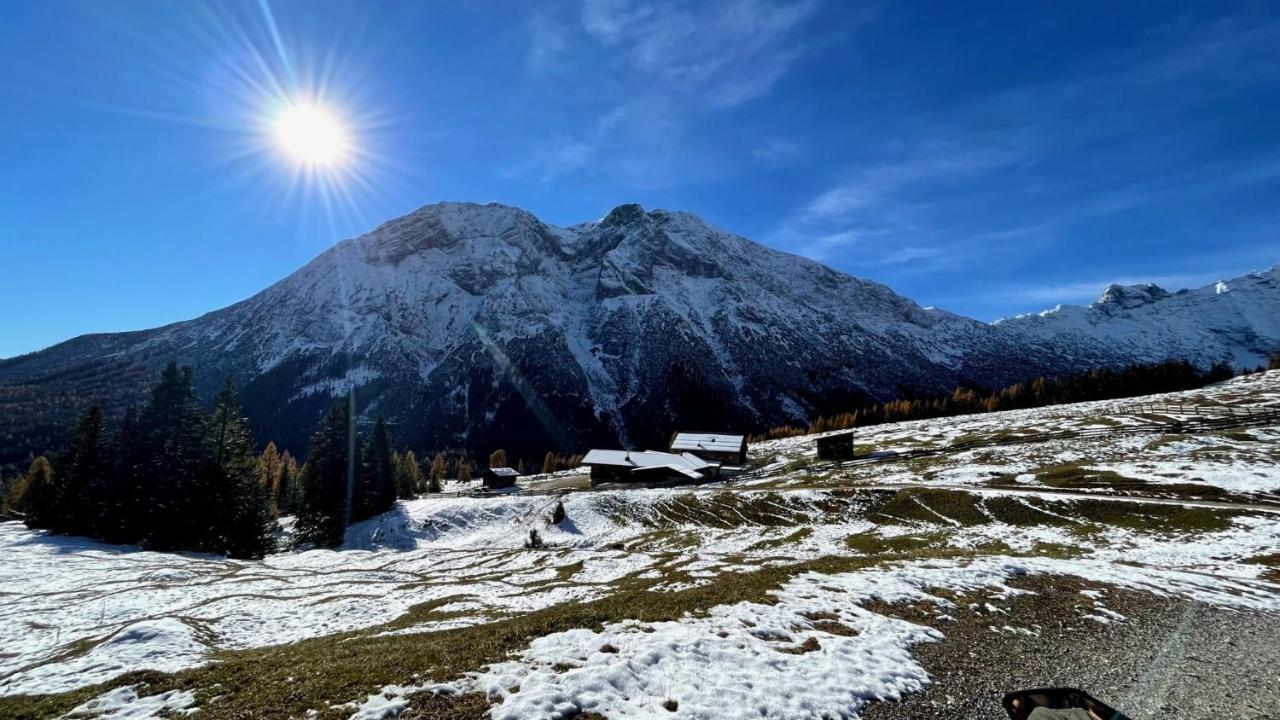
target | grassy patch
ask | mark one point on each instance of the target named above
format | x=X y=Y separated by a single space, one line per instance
x=947 y=507
x=1272 y=562
x=775 y=543
x=873 y=544
x=1239 y=436
x=1058 y=550
x=1074 y=477
x=728 y=509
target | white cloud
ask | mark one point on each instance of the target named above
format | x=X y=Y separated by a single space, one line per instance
x=660 y=67
x=726 y=51
x=773 y=151
x=548 y=42
x=1015 y=151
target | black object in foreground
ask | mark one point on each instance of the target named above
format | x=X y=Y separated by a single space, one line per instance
x=1022 y=703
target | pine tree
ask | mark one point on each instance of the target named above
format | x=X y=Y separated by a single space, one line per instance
x=375 y=488
x=126 y=508
x=42 y=499
x=244 y=523
x=464 y=470
x=549 y=463
x=436 y=477
x=84 y=474
x=322 y=511
x=174 y=425
x=289 y=496
x=498 y=459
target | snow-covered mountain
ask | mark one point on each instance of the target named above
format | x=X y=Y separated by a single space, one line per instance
x=480 y=326
x=1235 y=320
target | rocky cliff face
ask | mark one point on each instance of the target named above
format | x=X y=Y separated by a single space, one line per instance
x=479 y=326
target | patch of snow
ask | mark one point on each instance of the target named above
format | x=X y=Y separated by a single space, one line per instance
x=125 y=704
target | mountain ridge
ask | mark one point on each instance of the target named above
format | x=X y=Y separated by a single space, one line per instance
x=480 y=326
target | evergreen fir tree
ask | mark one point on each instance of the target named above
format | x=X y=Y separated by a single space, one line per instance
x=83 y=474
x=549 y=463
x=289 y=496
x=323 y=507
x=464 y=470
x=174 y=425
x=245 y=527
x=126 y=507
x=375 y=488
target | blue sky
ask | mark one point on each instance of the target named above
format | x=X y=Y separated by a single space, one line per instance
x=988 y=158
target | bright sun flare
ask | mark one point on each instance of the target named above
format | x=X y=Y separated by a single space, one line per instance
x=311 y=135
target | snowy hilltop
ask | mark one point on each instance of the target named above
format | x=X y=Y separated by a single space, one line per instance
x=480 y=326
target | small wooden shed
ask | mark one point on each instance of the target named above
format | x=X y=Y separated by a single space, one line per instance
x=499 y=478
x=836 y=446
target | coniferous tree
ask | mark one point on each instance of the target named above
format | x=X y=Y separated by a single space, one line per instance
x=244 y=525
x=323 y=507
x=174 y=425
x=1274 y=362
x=126 y=507
x=83 y=476
x=41 y=502
x=549 y=463
x=498 y=459
x=289 y=497
x=375 y=488
x=464 y=470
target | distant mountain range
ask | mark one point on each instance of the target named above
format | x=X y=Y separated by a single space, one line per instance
x=479 y=326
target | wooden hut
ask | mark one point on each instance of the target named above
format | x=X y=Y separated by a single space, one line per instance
x=499 y=478
x=713 y=447
x=646 y=466
x=836 y=446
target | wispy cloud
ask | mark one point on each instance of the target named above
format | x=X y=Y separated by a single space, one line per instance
x=548 y=41
x=1007 y=174
x=876 y=212
x=775 y=151
x=726 y=51
x=662 y=66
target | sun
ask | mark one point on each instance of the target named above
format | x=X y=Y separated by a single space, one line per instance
x=311 y=135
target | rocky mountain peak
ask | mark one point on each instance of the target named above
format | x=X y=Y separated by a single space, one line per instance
x=623 y=215
x=1128 y=297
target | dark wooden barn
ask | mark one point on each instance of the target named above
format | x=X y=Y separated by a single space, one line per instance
x=836 y=446
x=499 y=478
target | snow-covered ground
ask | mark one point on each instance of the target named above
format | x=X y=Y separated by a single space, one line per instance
x=1239 y=461
x=83 y=612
